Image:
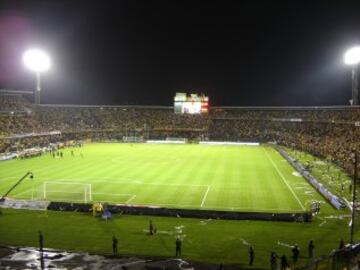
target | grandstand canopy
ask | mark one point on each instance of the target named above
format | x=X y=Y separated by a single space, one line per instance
x=11 y=92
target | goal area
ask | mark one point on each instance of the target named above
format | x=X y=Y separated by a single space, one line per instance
x=65 y=192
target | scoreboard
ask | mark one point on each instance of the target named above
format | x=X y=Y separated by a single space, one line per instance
x=191 y=104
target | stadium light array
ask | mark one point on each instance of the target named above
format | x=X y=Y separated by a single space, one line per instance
x=352 y=58
x=37 y=61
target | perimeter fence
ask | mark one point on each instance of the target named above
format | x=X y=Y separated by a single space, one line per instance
x=345 y=258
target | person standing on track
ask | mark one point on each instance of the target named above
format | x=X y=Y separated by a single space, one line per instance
x=311 y=247
x=284 y=263
x=115 y=245
x=178 y=247
x=273 y=261
x=151 y=228
x=342 y=244
x=296 y=252
x=251 y=256
x=41 y=241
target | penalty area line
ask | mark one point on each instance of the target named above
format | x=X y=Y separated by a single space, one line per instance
x=205 y=196
x=116 y=182
x=284 y=180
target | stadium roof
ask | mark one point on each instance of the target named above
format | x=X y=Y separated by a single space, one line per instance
x=338 y=107
x=10 y=91
x=107 y=106
x=335 y=107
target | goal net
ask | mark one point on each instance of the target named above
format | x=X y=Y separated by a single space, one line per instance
x=65 y=192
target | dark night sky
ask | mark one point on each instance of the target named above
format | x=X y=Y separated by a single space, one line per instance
x=142 y=52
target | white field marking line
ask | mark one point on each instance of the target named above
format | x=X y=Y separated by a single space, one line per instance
x=66 y=182
x=274 y=210
x=179 y=205
x=205 y=196
x=169 y=204
x=77 y=200
x=112 y=194
x=20 y=193
x=284 y=179
x=129 y=200
x=164 y=204
x=55 y=181
x=67 y=192
x=8 y=178
x=195 y=206
x=114 y=202
x=133 y=183
x=183 y=205
x=132 y=196
x=67 y=200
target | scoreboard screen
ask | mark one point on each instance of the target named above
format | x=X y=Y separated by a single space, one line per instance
x=190 y=104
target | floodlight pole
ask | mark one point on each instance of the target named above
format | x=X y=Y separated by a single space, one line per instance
x=354 y=206
x=355 y=85
x=38 y=88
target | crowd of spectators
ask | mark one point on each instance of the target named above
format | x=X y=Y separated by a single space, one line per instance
x=108 y=117
x=314 y=114
x=13 y=103
x=333 y=141
x=328 y=132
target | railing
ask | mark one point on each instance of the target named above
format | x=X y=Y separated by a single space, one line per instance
x=345 y=258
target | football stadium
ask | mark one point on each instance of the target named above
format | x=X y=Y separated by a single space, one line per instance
x=221 y=179
x=179 y=135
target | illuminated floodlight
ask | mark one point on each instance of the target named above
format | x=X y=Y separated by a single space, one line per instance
x=37 y=61
x=352 y=56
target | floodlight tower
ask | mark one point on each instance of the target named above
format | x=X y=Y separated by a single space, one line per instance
x=37 y=61
x=352 y=58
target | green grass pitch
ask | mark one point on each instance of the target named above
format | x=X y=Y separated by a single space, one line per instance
x=232 y=178
x=239 y=178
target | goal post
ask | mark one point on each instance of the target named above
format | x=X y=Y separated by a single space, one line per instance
x=65 y=192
